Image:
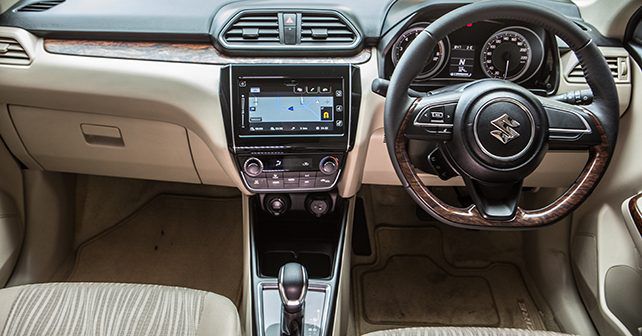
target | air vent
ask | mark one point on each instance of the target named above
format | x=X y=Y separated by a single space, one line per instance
x=40 y=6
x=254 y=27
x=617 y=64
x=325 y=28
x=12 y=53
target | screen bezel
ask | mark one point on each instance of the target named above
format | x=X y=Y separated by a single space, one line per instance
x=304 y=141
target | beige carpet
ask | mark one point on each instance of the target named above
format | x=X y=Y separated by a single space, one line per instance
x=193 y=242
x=411 y=283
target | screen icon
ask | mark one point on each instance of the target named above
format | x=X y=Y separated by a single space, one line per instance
x=326 y=113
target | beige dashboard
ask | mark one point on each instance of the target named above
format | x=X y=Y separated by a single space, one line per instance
x=162 y=120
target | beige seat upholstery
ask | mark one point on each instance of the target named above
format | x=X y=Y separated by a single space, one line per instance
x=108 y=309
x=452 y=331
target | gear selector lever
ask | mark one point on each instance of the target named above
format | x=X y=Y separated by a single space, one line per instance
x=293 y=286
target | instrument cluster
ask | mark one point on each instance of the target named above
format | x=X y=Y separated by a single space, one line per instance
x=487 y=49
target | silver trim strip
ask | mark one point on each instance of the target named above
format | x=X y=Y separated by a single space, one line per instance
x=576 y=133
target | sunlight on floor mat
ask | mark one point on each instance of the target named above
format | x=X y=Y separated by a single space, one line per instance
x=192 y=242
x=412 y=284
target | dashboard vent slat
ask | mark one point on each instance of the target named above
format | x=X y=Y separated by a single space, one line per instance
x=40 y=6
x=12 y=53
x=617 y=65
x=326 y=28
x=253 y=28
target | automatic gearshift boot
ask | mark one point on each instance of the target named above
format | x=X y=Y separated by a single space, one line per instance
x=293 y=286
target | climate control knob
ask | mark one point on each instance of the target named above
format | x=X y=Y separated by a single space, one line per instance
x=253 y=167
x=329 y=165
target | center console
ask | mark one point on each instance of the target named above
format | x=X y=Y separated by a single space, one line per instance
x=290 y=127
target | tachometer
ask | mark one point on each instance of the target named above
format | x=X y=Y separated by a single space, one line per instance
x=511 y=54
x=436 y=60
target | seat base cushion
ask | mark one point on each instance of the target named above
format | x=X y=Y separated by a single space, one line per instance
x=114 y=309
x=453 y=331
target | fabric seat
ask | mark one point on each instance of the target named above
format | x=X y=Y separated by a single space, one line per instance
x=452 y=331
x=106 y=309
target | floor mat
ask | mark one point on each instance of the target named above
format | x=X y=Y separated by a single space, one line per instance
x=411 y=284
x=192 y=242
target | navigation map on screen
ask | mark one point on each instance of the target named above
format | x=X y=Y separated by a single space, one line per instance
x=291 y=109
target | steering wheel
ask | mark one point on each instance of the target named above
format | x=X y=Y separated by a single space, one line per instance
x=494 y=133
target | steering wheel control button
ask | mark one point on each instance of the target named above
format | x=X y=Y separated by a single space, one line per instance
x=253 y=167
x=437 y=121
x=504 y=129
x=439 y=165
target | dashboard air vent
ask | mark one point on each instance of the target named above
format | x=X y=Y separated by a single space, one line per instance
x=40 y=6
x=12 y=53
x=326 y=28
x=254 y=27
x=617 y=64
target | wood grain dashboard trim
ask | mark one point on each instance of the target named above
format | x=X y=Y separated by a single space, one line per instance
x=636 y=212
x=471 y=217
x=201 y=53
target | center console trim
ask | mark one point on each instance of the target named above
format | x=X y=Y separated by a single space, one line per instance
x=331 y=283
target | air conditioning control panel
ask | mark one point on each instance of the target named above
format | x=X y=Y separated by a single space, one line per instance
x=277 y=173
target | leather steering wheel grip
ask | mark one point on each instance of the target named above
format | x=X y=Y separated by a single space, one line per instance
x=604 y=111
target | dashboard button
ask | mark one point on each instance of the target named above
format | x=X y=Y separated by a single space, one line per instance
x=324 y=182
x=257 y=182
x=312 y=89
x=275 y=184
x=291 y=180
x=325 y=89
x=299 y=89
x=308 y=175
x=306 y=182
x=274 y=176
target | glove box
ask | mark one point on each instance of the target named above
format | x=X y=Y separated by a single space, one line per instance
x=96 y=144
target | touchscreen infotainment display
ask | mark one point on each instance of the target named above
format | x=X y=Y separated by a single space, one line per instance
x=286 y=106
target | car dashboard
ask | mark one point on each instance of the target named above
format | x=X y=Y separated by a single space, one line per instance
x=118 y=93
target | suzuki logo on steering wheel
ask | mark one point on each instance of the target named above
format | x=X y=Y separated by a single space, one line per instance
x=504 y=129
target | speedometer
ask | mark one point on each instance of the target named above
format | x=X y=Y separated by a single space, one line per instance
x=433 y=64
x=511 y=54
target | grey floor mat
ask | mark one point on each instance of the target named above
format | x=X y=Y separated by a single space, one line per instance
x=411 y=283
x=193 y=242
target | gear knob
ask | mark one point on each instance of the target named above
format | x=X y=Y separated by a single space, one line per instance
x=293 y=286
